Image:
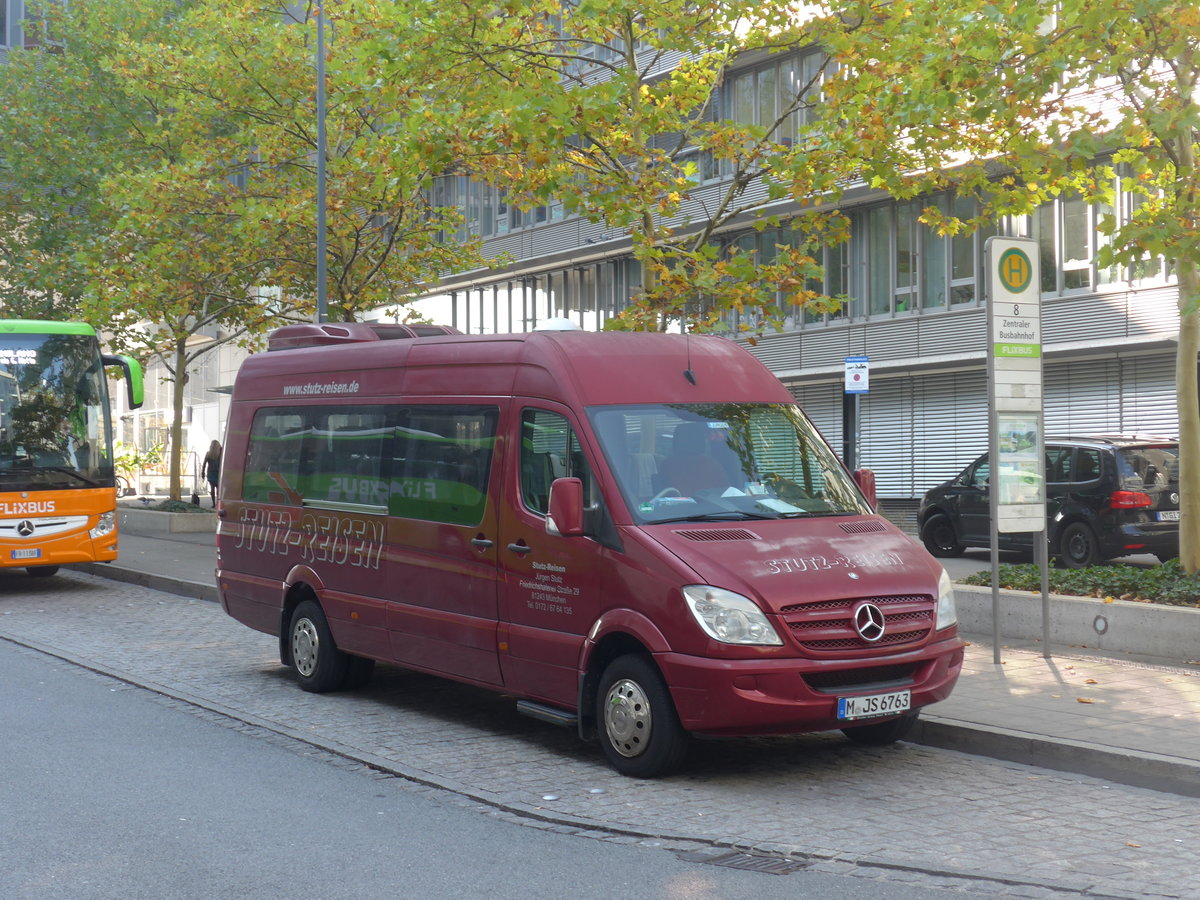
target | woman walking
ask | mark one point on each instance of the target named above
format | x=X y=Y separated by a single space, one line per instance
x=211 y=469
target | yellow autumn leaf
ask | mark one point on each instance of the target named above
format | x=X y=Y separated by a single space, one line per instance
x=1084 y=700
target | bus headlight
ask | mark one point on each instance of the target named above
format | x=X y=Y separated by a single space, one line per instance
x=106 y=526
x=946 y=615
x=728 y=617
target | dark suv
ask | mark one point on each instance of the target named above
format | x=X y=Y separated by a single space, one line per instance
x=1106 y=496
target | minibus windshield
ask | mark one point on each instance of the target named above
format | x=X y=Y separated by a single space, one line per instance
x=722 y=461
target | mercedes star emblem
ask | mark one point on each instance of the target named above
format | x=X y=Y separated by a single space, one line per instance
x=868 y=622
x=25 y=528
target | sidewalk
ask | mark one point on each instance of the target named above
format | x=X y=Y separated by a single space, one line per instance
x=1133 y=722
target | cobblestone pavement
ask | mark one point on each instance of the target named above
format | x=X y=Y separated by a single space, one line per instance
x=1000 y=829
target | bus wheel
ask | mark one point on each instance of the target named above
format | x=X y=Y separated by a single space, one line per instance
x=320 y=666
x=638 y=726
x=41 y=571
x=881 y=733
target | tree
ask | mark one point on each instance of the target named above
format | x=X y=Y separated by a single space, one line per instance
x=192 y=133
x=239 y=81
x=614 y=110
x=62 y=131
x=1019 y=102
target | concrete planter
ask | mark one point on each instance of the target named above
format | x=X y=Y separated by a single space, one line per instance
x=155 y=522
x=1140 y=629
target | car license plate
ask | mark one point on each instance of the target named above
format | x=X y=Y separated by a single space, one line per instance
x=31 y=553
x=874 y=705
x=1168 y=515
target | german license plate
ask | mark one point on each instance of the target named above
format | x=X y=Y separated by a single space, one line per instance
x=30 y=553
x=1168 y=515
x=874 y=705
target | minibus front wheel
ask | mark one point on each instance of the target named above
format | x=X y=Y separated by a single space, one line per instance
x=639 y=729
x=320 y=666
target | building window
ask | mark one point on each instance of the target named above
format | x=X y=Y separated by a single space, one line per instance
x=1069 y=239
x=907 y=265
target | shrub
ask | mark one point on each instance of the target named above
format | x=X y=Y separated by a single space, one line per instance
x=1166 y=583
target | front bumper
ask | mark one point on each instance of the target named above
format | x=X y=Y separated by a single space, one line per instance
x=746 y=697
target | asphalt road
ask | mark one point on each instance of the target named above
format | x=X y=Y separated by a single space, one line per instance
x=112 y=791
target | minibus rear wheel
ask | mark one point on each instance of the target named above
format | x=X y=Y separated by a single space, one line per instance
x=320 y=666
x=639 y=729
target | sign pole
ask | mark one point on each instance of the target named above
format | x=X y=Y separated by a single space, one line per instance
x=1016 y=438
x=858 y=371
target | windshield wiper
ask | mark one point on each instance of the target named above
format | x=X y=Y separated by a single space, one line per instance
x=63 y=470
x=724 y=515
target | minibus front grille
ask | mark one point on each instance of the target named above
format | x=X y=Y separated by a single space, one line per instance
x=828 y=626
x=871 y=676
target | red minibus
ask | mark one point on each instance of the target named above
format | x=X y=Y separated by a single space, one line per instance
x=638 y=535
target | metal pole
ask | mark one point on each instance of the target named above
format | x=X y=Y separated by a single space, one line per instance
x=321 y=299
x=850 y=430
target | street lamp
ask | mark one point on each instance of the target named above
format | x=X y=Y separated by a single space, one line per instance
x=321 y=299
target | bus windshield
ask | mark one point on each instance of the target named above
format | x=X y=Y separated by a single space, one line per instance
x=55 y=432
x=722 y=461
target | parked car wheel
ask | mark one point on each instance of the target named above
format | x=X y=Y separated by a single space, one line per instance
x=939 y=537
x=639 y=729
x=320 y=666
x=1077 y=548
x=879 y=733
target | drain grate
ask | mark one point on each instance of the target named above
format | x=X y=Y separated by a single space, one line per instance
x=768 y=865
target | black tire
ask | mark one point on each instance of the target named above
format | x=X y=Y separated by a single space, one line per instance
x=1077 y=547
x=939 y=537
x=41 y=571
x=877 y=734
x=636 y=721
x=319 y=665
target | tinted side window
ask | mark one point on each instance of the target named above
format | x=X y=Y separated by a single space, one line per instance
x=441 y=462
x=272 y=471
x=1087 y=465
x=420 y=462
x=979 y=475
x=1058 y=463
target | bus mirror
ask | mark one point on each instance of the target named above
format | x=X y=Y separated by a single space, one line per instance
x=566 y=507
x=865 y=479
x=133 y=377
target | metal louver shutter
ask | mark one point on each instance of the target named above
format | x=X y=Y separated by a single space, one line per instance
x=950 y=425
x=1149 y=402
x=885 y=437
x=1081 y=397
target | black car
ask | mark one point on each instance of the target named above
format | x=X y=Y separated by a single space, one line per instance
x=1106 y=496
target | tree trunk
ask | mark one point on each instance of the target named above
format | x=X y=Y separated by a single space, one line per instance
x=1188 y=392
x=177 y=387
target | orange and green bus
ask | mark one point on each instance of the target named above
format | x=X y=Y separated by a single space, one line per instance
x=57 y=482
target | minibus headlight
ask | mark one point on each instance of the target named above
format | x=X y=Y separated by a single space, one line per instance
x=105 y=527
x=728 y=617
x=946 y=616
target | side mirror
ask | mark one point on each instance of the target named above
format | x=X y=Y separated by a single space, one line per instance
x=865 y=479
x=566 y=508
x=133 y=377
